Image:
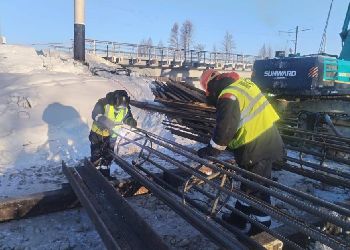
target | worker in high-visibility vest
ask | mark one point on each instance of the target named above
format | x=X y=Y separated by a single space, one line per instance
x=244 y=125
x=108 y=115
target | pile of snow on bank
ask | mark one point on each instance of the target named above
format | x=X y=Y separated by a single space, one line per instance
x=45 y=115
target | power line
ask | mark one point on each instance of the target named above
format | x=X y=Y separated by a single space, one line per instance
x=296 y=32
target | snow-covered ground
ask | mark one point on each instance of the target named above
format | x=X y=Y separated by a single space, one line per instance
x=45 y=114
x=71 y=229
x=46 y=100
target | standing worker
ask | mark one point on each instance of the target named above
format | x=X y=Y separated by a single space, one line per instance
x=108 y=115
x=245 y=125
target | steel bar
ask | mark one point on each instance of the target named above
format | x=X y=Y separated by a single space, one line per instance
x=188 y=136
x=317 y=143
x=319 y=167
x=194 y=94
x=173 y=112
x=219 y=236
x=333 y=144
x=171 y=92
x=227 y=206
x=240 y=236
x=188 y=105
x=186 y=130
x=119 y=226
x=181 y=94
x=262 y=206
x=187 y=153
x=325 y=156
x=306 y=132
x=187 y=92
x=187 y=124
x=326 y=179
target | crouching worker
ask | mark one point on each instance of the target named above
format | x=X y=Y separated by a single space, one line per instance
x=108 y=115
x=244 y=125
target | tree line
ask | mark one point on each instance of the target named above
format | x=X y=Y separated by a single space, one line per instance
x=182 y=39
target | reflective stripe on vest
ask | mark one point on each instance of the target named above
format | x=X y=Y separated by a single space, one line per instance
x=257 y=114
x=116 y=116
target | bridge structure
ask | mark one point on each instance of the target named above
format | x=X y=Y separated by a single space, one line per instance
x=149 y=55
x=131 y=54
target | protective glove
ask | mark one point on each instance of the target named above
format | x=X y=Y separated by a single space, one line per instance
x=112 y=142
x=208 y=151
x=131 y=122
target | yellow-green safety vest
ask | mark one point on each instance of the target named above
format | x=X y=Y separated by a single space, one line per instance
x=257 y=114
x=116 y=116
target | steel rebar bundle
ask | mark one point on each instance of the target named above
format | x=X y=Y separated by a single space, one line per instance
x=216 y=190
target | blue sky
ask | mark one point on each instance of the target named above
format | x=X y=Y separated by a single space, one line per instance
x=252 y=22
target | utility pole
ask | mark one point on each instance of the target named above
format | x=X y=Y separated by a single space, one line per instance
x=296 y=32
x=79 y=30
x=296 y=40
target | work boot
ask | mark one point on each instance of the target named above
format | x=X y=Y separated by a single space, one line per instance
x=245 y=226
x=105 y=172
x=265 y=220
x=238 y=221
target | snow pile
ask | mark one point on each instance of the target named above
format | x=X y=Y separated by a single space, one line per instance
x=16 y=59
x=45 y=115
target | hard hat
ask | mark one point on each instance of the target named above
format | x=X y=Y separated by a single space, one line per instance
x=206 y=77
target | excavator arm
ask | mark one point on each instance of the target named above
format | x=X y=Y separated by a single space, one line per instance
x=345 y=37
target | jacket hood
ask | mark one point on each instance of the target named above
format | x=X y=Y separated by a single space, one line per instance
x=218 y=84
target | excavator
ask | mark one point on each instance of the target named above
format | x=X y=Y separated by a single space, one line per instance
x=315 y=85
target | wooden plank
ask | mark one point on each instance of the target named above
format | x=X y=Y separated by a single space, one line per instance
x=64 y=198
x=268 y=241
x=37 y=204
x=56 y=200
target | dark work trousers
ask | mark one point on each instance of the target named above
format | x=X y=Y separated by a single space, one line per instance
x=99 y=149
x=262 y=168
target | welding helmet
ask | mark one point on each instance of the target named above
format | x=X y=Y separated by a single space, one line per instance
x=120 y=98
x=206 y=77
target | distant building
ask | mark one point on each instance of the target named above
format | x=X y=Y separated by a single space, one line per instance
x=2 y=40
